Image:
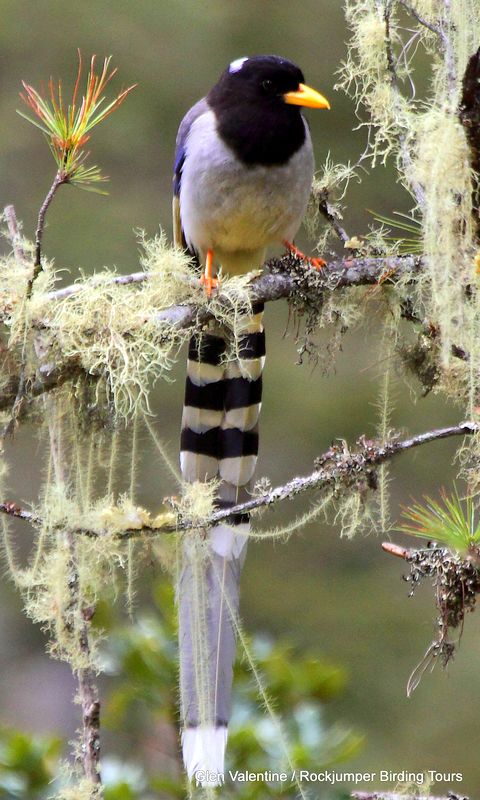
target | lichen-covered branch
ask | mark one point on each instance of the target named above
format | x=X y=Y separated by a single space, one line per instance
x=337 y=466
x=285 y=277
x=46 y=378
x=88 y=695
x=14 y=510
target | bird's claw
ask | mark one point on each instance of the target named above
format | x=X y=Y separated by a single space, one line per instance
x=316 y=263
x=209 y=283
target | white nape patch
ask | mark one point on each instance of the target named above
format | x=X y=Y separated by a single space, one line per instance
x=237 y=65
x=204 y=754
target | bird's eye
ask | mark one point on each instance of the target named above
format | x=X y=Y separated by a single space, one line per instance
x=267 y=85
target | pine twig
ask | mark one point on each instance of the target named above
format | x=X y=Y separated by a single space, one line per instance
x=37 y=265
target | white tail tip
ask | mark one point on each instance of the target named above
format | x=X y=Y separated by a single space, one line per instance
x=204 y=754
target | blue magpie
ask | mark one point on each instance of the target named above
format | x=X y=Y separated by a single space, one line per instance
x=242 y=177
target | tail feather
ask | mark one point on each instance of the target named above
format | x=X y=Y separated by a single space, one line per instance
x=219 y=440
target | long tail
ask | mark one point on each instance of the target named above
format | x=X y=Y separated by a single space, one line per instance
x=219 y=441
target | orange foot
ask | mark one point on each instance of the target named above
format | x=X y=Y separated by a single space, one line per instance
x=210 y=283
x=316 y=263
x=207 y=280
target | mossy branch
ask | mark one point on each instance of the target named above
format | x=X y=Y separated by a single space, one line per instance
x=285 y=277
x=338 y=466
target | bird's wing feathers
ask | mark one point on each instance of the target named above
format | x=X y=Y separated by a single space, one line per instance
x=180 y=152
x=180 y=145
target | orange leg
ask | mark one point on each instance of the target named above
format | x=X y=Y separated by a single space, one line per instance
x=317 y=263
x=207 y=280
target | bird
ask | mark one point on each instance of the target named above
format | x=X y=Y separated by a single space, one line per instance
x=243 y=171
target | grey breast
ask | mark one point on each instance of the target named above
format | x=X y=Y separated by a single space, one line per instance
x=232 y=208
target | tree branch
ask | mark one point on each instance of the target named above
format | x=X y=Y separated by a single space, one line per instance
x=421 y=20
x=336 y=466
x=283 y=278
x=13 y=510
x=339 y=466
x=47 y=378
x=286 y=277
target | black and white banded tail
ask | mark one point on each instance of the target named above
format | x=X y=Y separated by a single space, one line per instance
x=219 y=441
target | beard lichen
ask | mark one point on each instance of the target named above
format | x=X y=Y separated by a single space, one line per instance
x=456 y=583
x=119 y=333
x=365 y=75
x=423 y=131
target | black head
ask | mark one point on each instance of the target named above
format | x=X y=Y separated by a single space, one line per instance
x=258 y=80
x=253 y=115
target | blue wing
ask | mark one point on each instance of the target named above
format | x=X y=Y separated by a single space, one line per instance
x=180 y=155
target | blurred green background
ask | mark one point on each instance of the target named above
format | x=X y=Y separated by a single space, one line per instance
x=344 y=598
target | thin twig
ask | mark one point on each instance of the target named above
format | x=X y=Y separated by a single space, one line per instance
x=37 y=265
x=391 y=65
x=13 y=510
x=332 y=215
x=337 y=465
x=441 y=31
x=414 y=13
x=120 y=280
